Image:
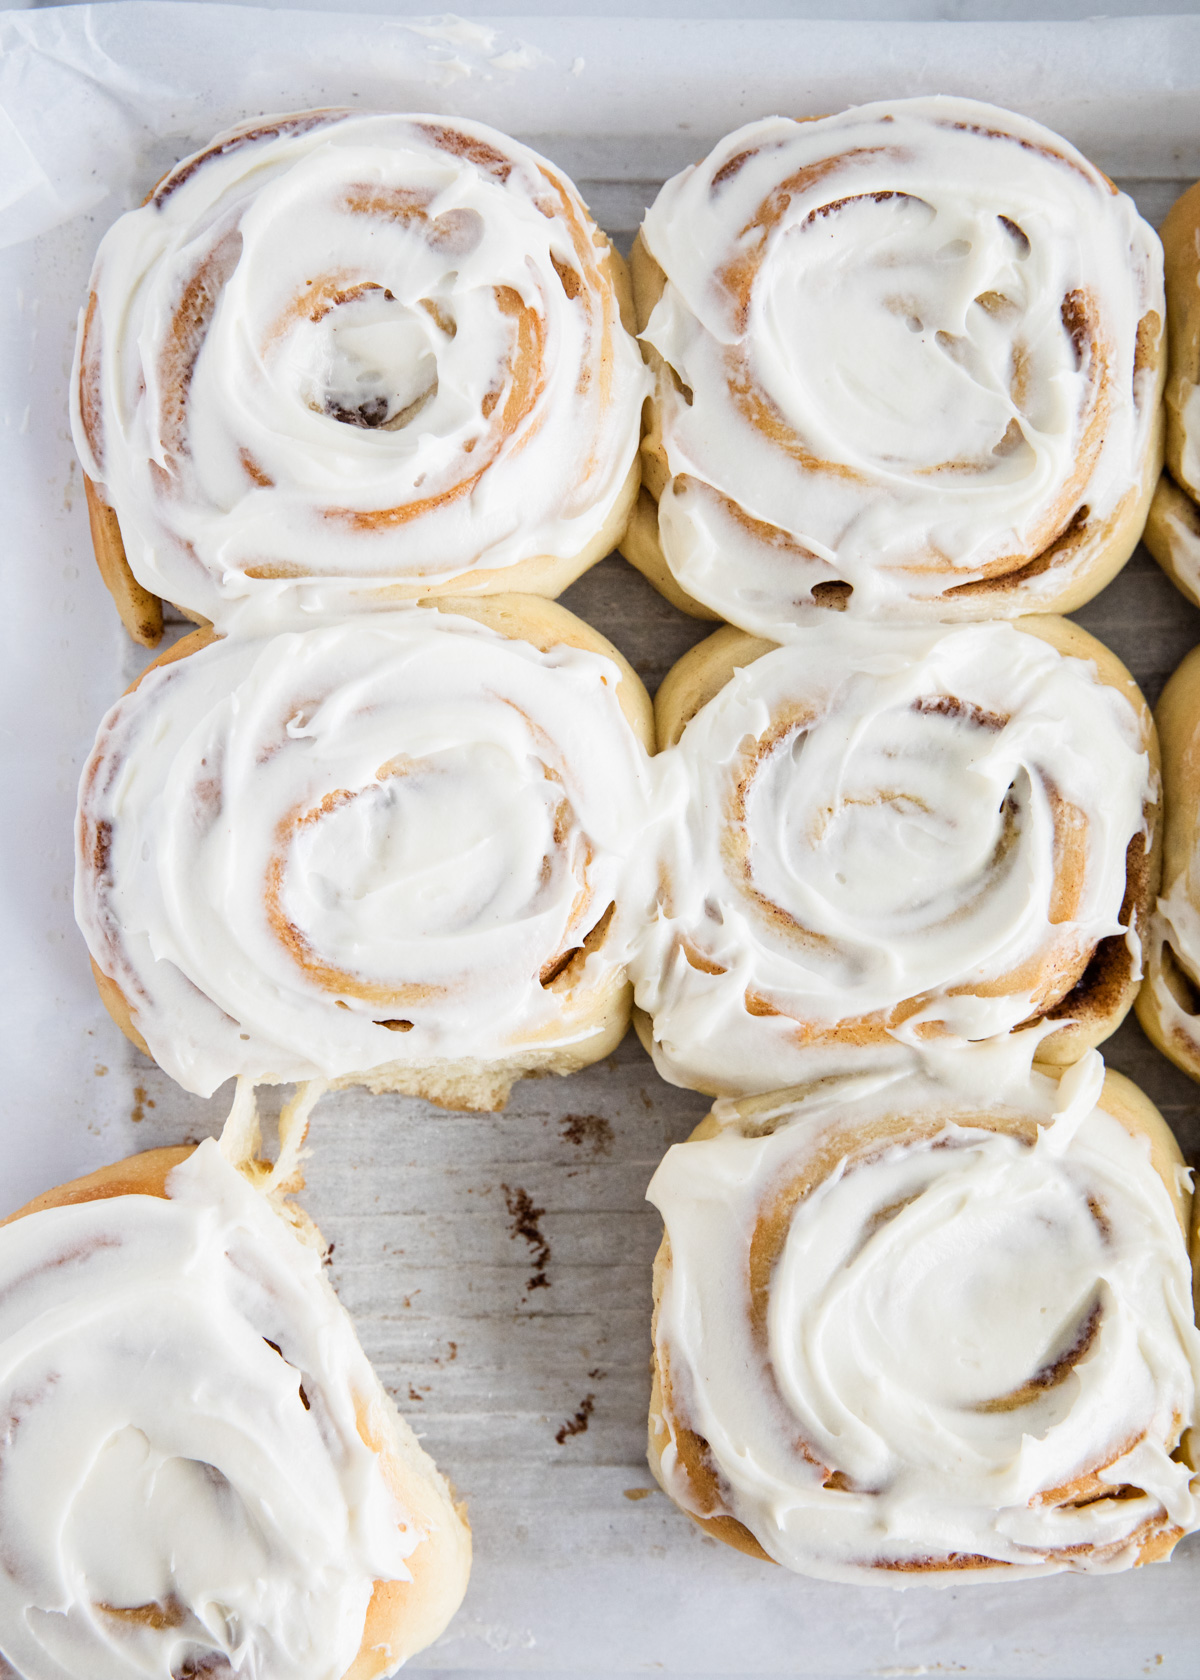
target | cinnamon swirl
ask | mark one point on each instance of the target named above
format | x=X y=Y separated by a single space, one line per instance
x=202 y=1473
x=386 y=851
x=1173 y=528
x=906 y=1333
x=1168 y=1004
x=879 y=841
x=909 y=362
x=339 y=357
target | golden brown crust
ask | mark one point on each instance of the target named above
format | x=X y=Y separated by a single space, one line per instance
x=474 y=1086
x=700 y=676
x=139 y=1175
x=1105 y=992
x=1178 y=720
x=140 y=612
x=1172 y=535
x=751 y=1116
x=1179 y=234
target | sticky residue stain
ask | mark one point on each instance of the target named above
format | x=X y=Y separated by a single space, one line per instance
x=588 y=1131
x=638 y=1493
x=141 y=1102
x=578 y=1424
x=525 y=1217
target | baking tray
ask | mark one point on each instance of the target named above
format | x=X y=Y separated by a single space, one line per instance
x=498 y=1266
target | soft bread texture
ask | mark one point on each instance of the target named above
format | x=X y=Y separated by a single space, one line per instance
x=1172 y=535
x=1094 y=1001
x=683 y=1461
x=1068 y=558
x=403 y=1617
x=585 y=307
x=1168 y=1005
x=599 y=1011
x=1173 y=528
x=1181 y=265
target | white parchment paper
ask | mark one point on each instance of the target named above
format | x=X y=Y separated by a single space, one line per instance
x=533 y=1399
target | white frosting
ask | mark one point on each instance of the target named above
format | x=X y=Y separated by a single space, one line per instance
x=382 y=313
x=897 y=291
x=905 y=793
x=158 y=1454
x=436 y=812
x=917 y=1284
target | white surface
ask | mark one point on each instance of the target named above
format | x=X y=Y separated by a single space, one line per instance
x=569 y=1574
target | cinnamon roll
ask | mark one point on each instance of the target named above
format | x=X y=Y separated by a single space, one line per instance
x=339 y=357
x=907 y=1332
x=876 y=842
x=909 y=362
x=1168 y=1004
x=1173 y=528
x=387 y=851
x=202 y=1473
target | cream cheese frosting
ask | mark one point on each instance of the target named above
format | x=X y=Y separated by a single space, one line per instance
x=380 y=841
x=900 y=350
x=968 y=1336
x=878 y=836
x=184 y=1489
x=354 y=349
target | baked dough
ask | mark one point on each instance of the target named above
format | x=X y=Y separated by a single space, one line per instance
x=887 y=841
x=440 y=803
x=1168 y=1004
x=907 y=1331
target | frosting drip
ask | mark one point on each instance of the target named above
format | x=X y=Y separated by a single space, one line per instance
x=396 y=839
x=959 y=1344
x=901 y=353
x=184 y=1487
x=354 y=348
x=875 y=834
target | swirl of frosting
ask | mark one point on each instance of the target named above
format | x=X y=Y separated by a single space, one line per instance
x=190 y=1476
x=877 y=835
x=362 y=351
x=904 y=1332
x=375 y=848
x=909 y=361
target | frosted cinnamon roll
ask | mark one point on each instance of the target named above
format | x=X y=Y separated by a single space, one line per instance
x=909 y=362
x=904 y=1333
x=338 y=357
x=202 y=1473
x=1168 y=1004
x=1173 y=528
x=878 y=841
x=387 y=851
